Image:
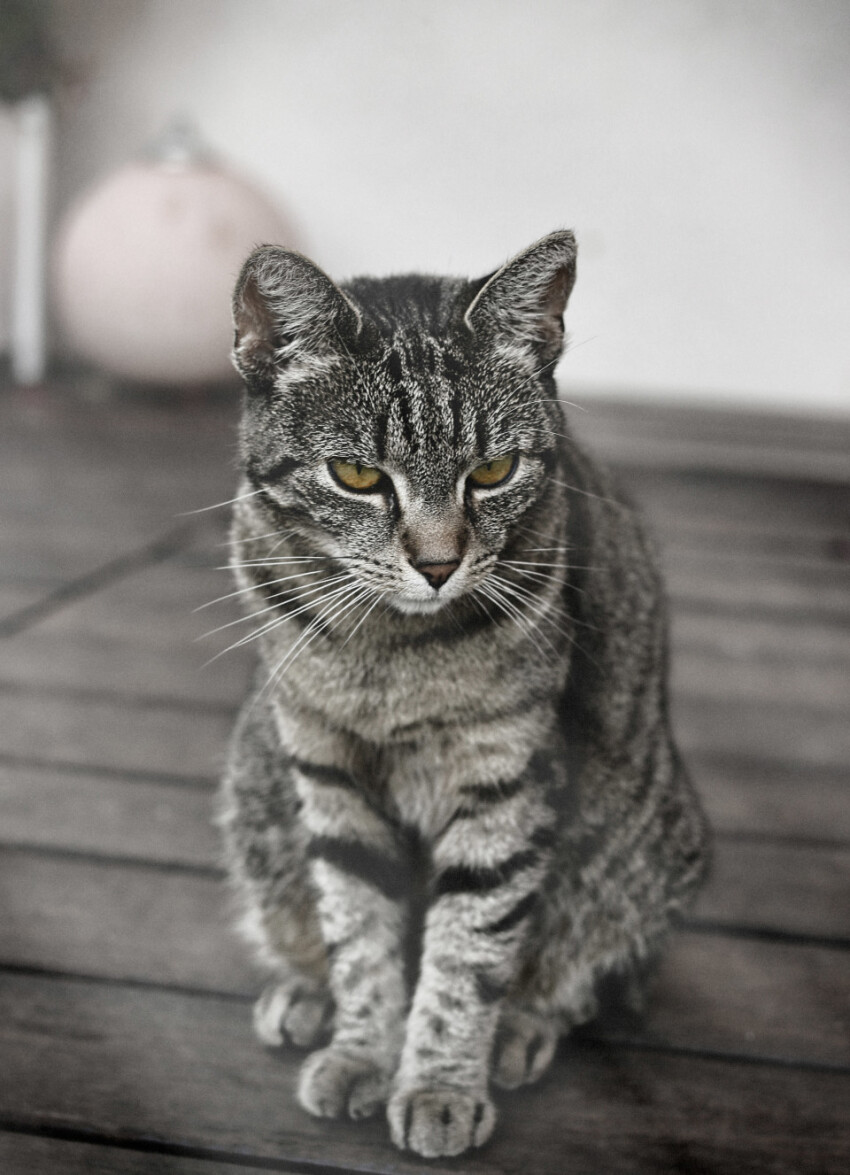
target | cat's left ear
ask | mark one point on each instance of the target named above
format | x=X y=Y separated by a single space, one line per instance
x=284 y=309
x=524 y=301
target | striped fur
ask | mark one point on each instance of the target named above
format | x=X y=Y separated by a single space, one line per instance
x=450 y=809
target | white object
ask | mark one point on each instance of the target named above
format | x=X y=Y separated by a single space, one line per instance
x=145 y=265
x=27 y=333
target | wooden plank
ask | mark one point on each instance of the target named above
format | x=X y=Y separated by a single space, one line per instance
x=177 y=670
x=724 y=582
x=107 y=815
x=762 y=517
x=156 y=738
x=139 y=635
x=790 y=731
x=167 y=1066
x=783 y=800
x=94 y=918
x=14 y=596
x=758 y=639
x=751 y=999
x=784 y=888
x=23 y=1154
x=670 y=436
x=762 y=682
x=101 y=919
x=694 y=418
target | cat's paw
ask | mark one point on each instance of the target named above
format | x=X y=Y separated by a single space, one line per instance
x=333 y=1083
x=292 y=1013
x=441 y=1121
x=525 y=1045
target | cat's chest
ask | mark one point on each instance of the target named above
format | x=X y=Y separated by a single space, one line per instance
x=399 y=695
x=383 y=698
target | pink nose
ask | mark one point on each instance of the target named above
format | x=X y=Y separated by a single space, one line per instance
x=437 y=573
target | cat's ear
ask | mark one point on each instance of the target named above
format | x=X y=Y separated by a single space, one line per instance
x=524 y=301
x=284 y=309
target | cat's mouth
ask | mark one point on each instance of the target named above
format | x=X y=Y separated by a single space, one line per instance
x=411 y=607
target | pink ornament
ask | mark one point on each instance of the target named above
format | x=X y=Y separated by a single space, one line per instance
x=146 y=262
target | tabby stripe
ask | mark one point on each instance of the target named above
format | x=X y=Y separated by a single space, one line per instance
x=395 y=368
x=468 y=879
x=544 y=838
x=513 y=917
x=403 y=408
x=492 y=793
x=456 y=419
x=366 y=864
x=381 y=425
x=449 y=634
x=322 y=773
x=489 y=989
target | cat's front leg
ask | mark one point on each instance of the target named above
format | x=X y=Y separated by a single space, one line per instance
x=488 y=869
x=359 y=878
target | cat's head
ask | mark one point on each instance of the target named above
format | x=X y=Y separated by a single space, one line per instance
x=403 y=426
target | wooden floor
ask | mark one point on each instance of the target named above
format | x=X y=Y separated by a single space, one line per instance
x=125 y=1039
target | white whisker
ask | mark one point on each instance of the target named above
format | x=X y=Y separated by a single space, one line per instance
x=587 y=494
x=218 y=505
x=278 y=620
x=253 y=587
x=525 y=625
x=276 y=607
x=371 y=607
x=312 y=631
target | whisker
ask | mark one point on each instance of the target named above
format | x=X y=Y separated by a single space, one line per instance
x=289 y=559
x=218 y=505
x=255 y=538
x=273 y=607
x=510 y=609
x=531 y=563
x=312 y=631
x=587 y=494
x=538 y=606
x=269 y=625
x=254 y=586
x=371 y=608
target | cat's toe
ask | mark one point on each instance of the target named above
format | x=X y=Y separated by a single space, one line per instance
x=440 y=1122
x=333 y=1083
x=524 y=1048
x=292 y=1013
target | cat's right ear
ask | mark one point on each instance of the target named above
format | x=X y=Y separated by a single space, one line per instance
x=523 y=302
x=286 y=309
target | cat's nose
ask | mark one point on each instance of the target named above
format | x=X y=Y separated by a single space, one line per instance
x=437 y=573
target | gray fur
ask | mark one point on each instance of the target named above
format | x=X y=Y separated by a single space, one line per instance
x=450 y=811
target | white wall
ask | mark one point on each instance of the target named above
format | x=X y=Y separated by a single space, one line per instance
x=8 y=141
x=700 y=149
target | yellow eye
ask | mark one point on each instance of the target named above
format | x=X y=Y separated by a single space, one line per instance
x=493 y=473
x=355 y=476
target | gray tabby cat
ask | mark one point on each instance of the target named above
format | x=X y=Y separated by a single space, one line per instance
x=453 y=803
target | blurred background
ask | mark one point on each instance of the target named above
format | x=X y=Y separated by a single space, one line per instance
x=699 y=148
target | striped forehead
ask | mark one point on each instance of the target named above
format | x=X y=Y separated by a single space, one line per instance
x=429 y=408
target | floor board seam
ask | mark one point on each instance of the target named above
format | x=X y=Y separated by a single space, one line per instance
x=159 y=549
x=798 y=938
x=119 y=697
x=115 y=860
x=103 y=771
x=155 y=1146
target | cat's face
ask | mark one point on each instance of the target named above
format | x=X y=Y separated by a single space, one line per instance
x=405 y=432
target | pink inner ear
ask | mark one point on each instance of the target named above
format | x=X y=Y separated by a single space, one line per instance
x=255 y=334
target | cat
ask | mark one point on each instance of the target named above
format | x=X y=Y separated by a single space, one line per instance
x=453 y=804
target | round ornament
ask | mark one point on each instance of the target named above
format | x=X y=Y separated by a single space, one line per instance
x=145 y=264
